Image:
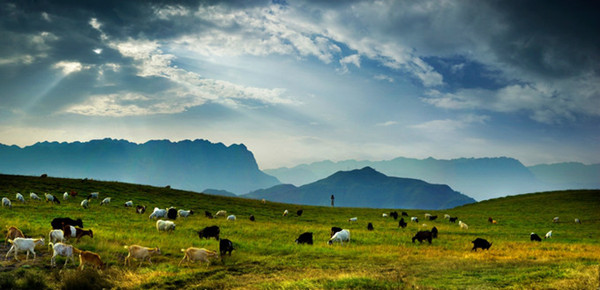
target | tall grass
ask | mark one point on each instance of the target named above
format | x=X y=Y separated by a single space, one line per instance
x=266 y=257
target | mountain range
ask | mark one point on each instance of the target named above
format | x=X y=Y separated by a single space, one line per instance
x=480 y=178
x=366 y=188
x=190 y=165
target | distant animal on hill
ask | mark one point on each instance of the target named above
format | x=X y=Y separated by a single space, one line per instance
x=334 y=230
x=231 y=218
x=423 y=236
x=285 y=212
x=370 y=226
x=452 y=219
x=341 y=236
x=172 y=213
x=394 y=214
x=66 y=195
x=34 y=196
x=221 y=213
x=129 y=203
x=384 y=215
x=59 y=223
x=225 y=246
x=105 y=201
x=6 y=202
x=209 y=232
x=402 y=223
x=577 y=221
x=140 y=209
x=535 y=237
x=427 y=216
x=434 y=232
x=433 y=217
x=13 y=233
x=208 y=214
x=480 y=243
x=404 y=213
x=555 y=220
x=192 y=254
x=252 y=218
x=19 y=197
x=414 y=219
x=24 y=244
x=185 y=213
x=140 y=253
x=93 y=195
x=353 y=219
x=90 y=258
x=158 y=213
x=52 y=198
x=299 y=212
x=165 y=226
x=61 y=249
x=463 y=225
x=305 y=238
x=548 y=235
x=446 y=216
x=85 y=203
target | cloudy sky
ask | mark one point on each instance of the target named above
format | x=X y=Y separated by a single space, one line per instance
x=303 y=81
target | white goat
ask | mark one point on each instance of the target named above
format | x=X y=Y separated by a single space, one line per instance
x=353 y=219
x=34 y=196
x=414 y=219
x=165 y=226
x=548 y=235
x=221 y=213
x=341 y=236
x=463 y=225
x=56 y=236
x=158 y=213
x=6 y=202
x=19 y=197
x=94 y=195
x=185 y=213
x=65 y=195
x=384 y=215
x=140 y=253
x=24 y=244
x=85 y=203
x=555 y=220
x=105 y=201
x=192 y=254
x=129 y=203
x=49 y=197
x=64 y=250
x=285 y=212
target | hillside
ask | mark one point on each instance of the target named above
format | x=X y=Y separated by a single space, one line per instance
x=480 y=178
x=192 y=165
x=266 y=257
x=366 y=188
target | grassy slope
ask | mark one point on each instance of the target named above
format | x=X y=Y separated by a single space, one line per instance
x=267 y=257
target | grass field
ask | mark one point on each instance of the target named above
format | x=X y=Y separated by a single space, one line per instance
x=266 y=256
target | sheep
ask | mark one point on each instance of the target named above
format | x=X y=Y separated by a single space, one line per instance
x=34 y=196
x=208 y=232
x=285 y=212
x=13 y=233
x=555 y=220
x=61 y=249
x=192 y=254
x=341 y=236
x=140 y=209
x=140 y=253
x=353 y=219
x=463 y=225
x=59 y=223
x=548 y=235
x=221 y=213
x=24 y=244
x=6 y=202
x=165 y=226
x=91 y=258
x=19 y=197
x=129 y=203
x=84 y=203
x=105 y=201
x=184 y=213
x=158 y=213
x=414 y=219
x=56 y=236
x=231 y=218
x=65 y=195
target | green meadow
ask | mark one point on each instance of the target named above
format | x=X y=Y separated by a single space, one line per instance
x=266 y=256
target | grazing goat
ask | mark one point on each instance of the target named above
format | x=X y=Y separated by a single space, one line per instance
x=192 y=254
x=19 y=197
x=34 y=196
x=263 y=201
x=370 y=226
x=208 y=214
x=225 y=246
x=434 y=232
x=534 y=237
x=50 y=197
x=140 y=253
x=334 y=230
x=285 y=212
x=446 y=216
x=384 y=215
x=209 y=232
x=414 y=219
x=56 y=236
x=61 y=249
x=555 y=220
x=90 y=258
x=463 y=225
x=85 y=203
x=185 y=213
x=252 y=218
x=65 y=195
x=172 y=213
x=157 y=212
x=105 y=201
x=231 y=218
x=305 y=238
x=93 y=195
x=165 y=226
x=548 y=235
x=402 y=223
x=13 y=233
x=427 y=216
x=341 y=236
x=59 y=223
x=404 y=213
x=433 y=217
x=24 y=244
x=480 y=243
x=129 y=203
x=221 y=213
x=577 y=221
x=140 y=209
x=394 y=214
x=299 y=212
x=6 y=202
x=73 y=232
x=353 y=219
x=423 y=235
x=452 y=219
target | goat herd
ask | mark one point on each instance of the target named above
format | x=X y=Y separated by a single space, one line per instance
x=67 y=228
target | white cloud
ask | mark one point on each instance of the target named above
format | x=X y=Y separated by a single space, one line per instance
x=69 y=67
x=386 y=124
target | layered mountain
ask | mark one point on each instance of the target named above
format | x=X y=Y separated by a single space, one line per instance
x=568 y=175
x=366 y=187
x=480 y=178
x=191 y=165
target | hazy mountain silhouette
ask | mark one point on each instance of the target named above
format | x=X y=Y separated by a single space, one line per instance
x=480 y=178
x=191 y=165
x=212 y=191
x=366 y=187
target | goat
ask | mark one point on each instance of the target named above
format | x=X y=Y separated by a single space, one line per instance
x=463 y=225
x=140 y=253
x=341 y=236
x=56 y=236
x=91 y=258
x=157 y=212
x=140 y=209
x=34 y=196
x=24 y=244
x=221 y=213
x=194 y=254
x=353 y=219
x=59 y=223
x=185 y=213
x=105 y=201
x=13 y=233
x=6 y=202
x=165 y=226
x=19 y=197
x=129 y=203
x=61 y=249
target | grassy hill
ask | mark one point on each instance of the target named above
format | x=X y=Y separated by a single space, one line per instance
x=266 y=256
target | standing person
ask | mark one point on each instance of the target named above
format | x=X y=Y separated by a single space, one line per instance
x=332 y=198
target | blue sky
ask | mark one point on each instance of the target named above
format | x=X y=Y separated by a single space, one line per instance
x=303 y=81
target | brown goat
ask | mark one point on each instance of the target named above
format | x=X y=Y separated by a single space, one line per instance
x=13 y=233
x=90 y=258
x=79 y=233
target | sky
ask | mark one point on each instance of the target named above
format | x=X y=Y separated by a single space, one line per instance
x=304 y=81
